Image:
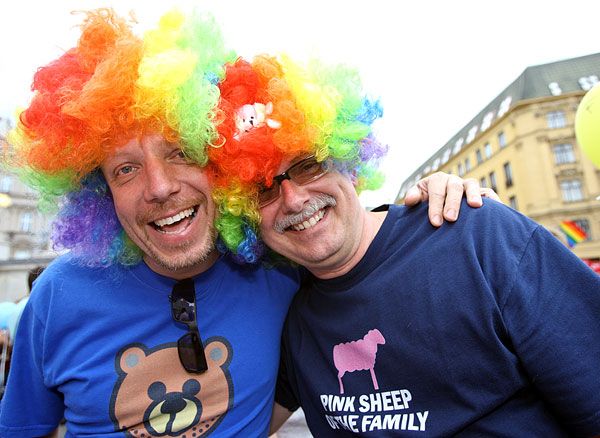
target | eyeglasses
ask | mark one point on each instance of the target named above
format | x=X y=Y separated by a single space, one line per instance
x=302 y=172
x=183 y=310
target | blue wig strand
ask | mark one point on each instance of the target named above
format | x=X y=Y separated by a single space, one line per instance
x=88 y=225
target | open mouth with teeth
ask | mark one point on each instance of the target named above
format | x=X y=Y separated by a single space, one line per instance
x=173 y=223
x=308 y=223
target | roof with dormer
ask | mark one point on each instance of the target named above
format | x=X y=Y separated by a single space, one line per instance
x=545 y=80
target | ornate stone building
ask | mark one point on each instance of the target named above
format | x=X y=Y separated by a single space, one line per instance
x=24 y=231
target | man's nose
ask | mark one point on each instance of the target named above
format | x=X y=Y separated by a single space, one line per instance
x=293 y=196
x=161 y=181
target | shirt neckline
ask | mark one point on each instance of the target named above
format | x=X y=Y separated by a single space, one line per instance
x=161 y=284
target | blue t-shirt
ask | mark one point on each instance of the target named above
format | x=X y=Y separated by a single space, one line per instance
x=485 y=327
x=99 y=346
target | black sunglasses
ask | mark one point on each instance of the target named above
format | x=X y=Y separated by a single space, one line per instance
x=302 y=172
x=183 y=310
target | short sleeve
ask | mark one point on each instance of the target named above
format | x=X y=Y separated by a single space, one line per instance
x=284 y=393
x=29 y=407
x=552 y=313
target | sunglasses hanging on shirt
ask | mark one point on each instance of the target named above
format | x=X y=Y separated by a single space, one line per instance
x=183 y=311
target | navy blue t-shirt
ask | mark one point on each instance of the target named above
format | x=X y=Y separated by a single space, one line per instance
x=484 y=327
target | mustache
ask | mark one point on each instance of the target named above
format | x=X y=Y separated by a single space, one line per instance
x=315 y=204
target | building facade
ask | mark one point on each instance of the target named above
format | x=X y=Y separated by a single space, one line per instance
x=523 y=146
x=24 y=231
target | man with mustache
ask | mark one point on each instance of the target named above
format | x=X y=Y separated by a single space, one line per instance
x=144 y=328
x=483 y=327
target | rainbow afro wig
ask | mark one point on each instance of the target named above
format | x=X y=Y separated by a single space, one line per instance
x=276 y=109
x=111 y=87
x=240 y=119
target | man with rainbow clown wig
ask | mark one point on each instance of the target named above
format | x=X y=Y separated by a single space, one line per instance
x=144 y=328
x=499 y=337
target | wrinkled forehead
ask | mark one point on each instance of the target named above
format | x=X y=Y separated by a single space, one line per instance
x=138 y=144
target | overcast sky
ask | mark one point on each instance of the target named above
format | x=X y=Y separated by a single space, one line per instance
x=434 y=64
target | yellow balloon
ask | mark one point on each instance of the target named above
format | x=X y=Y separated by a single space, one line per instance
x=587 y=124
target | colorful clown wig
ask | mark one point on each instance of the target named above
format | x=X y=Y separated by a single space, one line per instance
x=277 y=109
x=111 y=87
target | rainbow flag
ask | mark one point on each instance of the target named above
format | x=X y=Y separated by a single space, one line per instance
x=573 y=232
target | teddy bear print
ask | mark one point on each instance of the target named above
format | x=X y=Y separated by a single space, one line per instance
x=155 y=396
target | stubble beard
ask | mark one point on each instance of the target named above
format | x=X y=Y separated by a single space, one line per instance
x=187 y=256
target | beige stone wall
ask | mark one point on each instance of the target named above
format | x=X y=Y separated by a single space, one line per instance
x=13 y=277
x=536 y=176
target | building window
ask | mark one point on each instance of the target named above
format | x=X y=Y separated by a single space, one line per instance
x=467 y=165
x=587 y=82
x=504 y=106
x=513 y=203
x=571 y=190
x=585 y=227
x=436 y=164
x=488 y=150
x=555 y=88
x=501 y=139
x=493 y=184
x=487 y=121
x=472 y=133
x=5 y=183
x=483 y=182
x=461 y=172
x=478 y=156
x=22 y=254
x=563 y=153
x=458 y=146
x=508 y=175
x=25 y=221
x=446 y=156
x=556 y=119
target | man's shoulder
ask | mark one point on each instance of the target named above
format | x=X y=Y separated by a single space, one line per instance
x=65 y=272
x=491 y=214
x=67 y=265
x=60 y=267
x=281 y=269
x=270 y=285
x=494 y=217
x=491 y=227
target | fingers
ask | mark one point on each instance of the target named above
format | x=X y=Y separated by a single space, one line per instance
x=453 y=195
x=489 y=193
x=415 y=195
x=437 y=193
x=473 y=192
x=445 y=193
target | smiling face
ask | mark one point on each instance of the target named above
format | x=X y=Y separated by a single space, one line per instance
x=164 y=205
x=319 y=225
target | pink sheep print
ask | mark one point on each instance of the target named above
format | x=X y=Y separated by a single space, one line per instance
x=357 y=356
